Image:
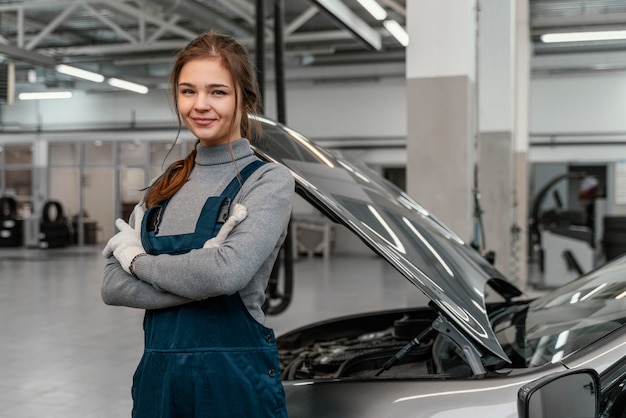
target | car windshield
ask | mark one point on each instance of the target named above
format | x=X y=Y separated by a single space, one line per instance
x=566 y=319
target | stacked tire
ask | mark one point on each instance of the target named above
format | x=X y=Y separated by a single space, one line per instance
x=614 y=236
x=55 y=228
x=10 y=227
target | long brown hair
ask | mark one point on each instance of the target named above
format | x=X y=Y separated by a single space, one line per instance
x=234 y=57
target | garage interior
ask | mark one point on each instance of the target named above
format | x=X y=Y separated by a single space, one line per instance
x=334 y=72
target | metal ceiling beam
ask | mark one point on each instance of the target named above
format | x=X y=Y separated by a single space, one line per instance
x=52 y=26
x=12 y=7
x=244 y=10
x=342 y=14
x=114 y=26
x=393 y=4
x=118 y=49
x=138 y=14
x=22 y=25
x=69 y=8
x=322 y=36
x=297 y=22
x=202 y=15
x=570 y=62
x=551 y=22
x=20 y=54
x=159 y=32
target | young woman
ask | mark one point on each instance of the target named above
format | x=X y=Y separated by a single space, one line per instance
x=207 y=352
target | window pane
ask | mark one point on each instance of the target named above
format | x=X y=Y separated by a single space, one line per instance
x=19 y=182
x=63 y=154
x=64 y=186
x=133 y=153
x=98 y=153
x=133 y=183
x=98 y=204
x=155 y=172
x=18 y=186
x=18 y=154
x=159 y=154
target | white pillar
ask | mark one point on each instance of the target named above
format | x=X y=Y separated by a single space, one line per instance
x=521 y=137
x=497 y=97
x=440 y=71
x=467 y=90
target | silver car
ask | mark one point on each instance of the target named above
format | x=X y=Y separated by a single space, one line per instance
x=561 y=355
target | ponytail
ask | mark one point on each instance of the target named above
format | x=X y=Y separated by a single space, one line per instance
x=172 y=179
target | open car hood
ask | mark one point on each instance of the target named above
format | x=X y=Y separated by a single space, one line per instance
x=432 y=257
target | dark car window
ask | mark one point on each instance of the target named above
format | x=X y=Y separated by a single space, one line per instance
x=613 y=399
x=567 y=319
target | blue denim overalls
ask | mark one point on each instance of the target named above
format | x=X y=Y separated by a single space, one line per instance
x=208 y=358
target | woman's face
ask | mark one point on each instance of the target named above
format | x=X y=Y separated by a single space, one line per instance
x=206 y=102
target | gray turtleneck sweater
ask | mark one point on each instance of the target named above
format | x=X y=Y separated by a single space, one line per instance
x=241 y=264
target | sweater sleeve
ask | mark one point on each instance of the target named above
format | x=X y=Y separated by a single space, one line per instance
x=121 y=289
x=225 y=270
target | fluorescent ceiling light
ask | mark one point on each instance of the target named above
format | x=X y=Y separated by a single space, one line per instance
x=374 y=9
x=77 y=72
x=607 y=35
x=397 y=31
x=127 y=85
x=45 y=95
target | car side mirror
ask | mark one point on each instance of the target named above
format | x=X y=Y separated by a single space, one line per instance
x=568 y=394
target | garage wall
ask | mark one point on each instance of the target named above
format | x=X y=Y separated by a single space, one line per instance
x=590 y=106
x=591 y=103
x=581 y=118
x=585 y=107
x=85 y=110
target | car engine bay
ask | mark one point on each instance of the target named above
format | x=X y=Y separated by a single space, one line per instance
x=389 y=346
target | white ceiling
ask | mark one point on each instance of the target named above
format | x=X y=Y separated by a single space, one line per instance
x=135 y=39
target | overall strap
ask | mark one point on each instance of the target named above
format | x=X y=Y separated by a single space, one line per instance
x=233 y=187
x=214 y=213
x=228 y=195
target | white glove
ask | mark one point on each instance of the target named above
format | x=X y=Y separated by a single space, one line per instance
x=126 y=244
x=239 y=214
x=138 y=213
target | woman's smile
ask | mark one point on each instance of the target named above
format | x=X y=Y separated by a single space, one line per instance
x=207 y=101
x=203 y=121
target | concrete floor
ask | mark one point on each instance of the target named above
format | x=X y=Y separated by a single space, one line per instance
x=64 y=354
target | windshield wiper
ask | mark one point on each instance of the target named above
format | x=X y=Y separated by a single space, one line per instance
x=415 y=342
x=467 y=351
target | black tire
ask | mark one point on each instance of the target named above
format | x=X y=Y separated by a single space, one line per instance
x=614 y=251
x=55 y=231
x=56 y=209
x=8 y=208
x=11 y=233
x=614 y=237
x=54 y=235
x=612 y=223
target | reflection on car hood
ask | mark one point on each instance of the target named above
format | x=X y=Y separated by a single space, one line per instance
x=426 y=252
